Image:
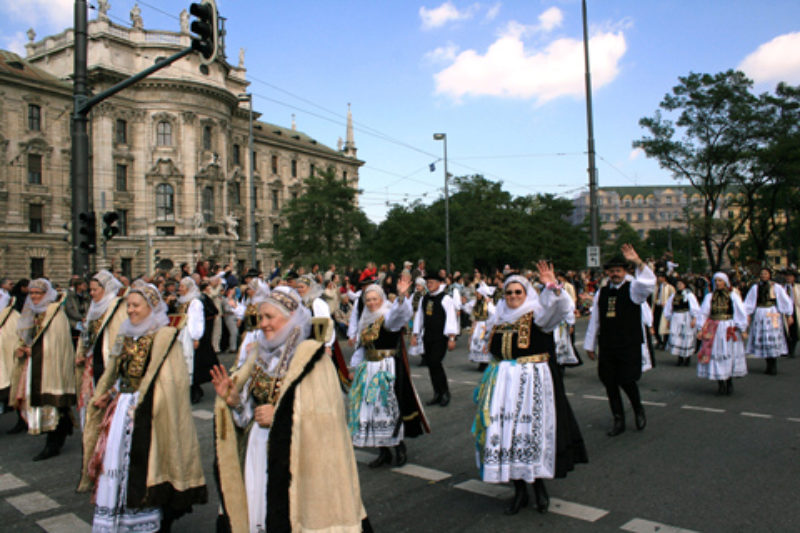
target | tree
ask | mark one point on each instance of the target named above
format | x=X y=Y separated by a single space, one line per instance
x=324 y=224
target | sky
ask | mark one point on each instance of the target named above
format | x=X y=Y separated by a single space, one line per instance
x=504 y=80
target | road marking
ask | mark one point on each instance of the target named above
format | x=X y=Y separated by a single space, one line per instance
x=493 y=490
x=421 y=472
x=576 y=510
x=655 y=404
x=10 y=482
x=203 y=414
x=416 y=375
x=706 y=409
x=755 y=415
x=593 y=397
x=637 y=525
x=32 y=502
x=570 y=394
x=793 y=419
x=64 y=523
x=364 y=457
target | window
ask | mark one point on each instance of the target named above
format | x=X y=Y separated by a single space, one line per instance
x=274 y=164
x=126 y=265
x=639 y=217
x=294 y=195
x=668 y=200
x=34 y=117
x=311 y=170
x=638 y=200
x=207 y=138
x=208 y=205
x=641 y=233
x=123 y=222
x=164 y=133
x=121 y=131
x=274 y=200
x=628 y=217
x=122 y=177
x=255 y=231
x=276 y=228
x=35 y=218
x=730 y=214
x=255 y=160
x=294 y=168
x=240 y=265
x=255 y=196
x=165 y=231
x=234 y=193
x=35 y=169
x=165 y=202
x=652 y=216
x=237 y=155
x=37 y=267
x=344 y=176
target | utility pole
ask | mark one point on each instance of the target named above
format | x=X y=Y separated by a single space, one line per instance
x=590 y=127
x=248 y=97
x=443 y=137
x=81 y=195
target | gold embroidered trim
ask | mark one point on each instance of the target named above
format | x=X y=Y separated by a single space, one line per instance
x=379 y=355
x=133 y=361
x=371 y=333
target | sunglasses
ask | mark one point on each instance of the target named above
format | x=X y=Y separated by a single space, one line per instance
x=517 y=292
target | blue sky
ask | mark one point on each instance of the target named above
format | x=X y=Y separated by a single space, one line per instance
x=503 y=79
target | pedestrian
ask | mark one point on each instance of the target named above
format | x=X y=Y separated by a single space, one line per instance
x=9 y=340
x=663 y=291
x=615 y=331
x=192 y=328
x=681 y=313
x=793 y=292
x=766 y=301
x=416 y=300
x=482 y=309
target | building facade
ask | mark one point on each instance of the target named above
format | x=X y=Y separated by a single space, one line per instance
x=169 y=155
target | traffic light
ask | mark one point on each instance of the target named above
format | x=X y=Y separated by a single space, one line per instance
x=205 y=29
x=110 y=228
x=88 y=232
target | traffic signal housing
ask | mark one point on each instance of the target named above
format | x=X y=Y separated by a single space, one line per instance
x=206 y=38
x=110 y=227
x=88 y=232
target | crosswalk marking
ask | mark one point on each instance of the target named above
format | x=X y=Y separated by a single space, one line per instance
x=64 y=523
x=655 y=404
x=421 y=472
x=202 y=414
x=32 y=502
x=637 y=525
x=576 y=510
x=10 y=482
x=493 y=490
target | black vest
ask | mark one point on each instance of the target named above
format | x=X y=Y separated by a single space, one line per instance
x=433 y=316
x=620 y=318
x=526 y=339
x=679 y=303
x=766 y=294
x=386 y=340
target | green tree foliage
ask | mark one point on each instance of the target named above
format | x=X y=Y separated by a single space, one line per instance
x=324 y=224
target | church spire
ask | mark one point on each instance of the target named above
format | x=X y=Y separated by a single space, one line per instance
x=350 y=144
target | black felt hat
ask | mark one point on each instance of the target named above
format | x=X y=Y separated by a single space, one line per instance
x=616 y=261
x=433 y=273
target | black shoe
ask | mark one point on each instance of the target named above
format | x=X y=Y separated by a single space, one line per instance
x=400 y=456
x=48 y=452
x=20 y=427
x=437 y=398
x=618 y=427
x=384 y=458
x=729 y=387
x=482 y=366
x=680 y=361
x=520 y=498
x=686 y=361
x=196 y=393
x=542 y=498
x=772 y=367
x=721 y=388
x=445 y=399
x=641 y=419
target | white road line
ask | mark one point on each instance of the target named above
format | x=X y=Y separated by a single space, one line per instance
x=793 y=419
x=755 y=415
x=593 y=397
x=421 y=472
x=493 y=490
x=64 y=523
x=10 y=482
x=706 y=409
x=576 y=510
x=637 y=525
x=32 y=502
x=655 y=404
x=416 y=375
x=570 y=394
x=203 y=414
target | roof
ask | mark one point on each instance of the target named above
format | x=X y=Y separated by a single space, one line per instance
x=644 y=190
x=288 y=135
x=13 y=65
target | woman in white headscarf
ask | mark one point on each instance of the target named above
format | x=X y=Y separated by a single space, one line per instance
x=100 y=326
x=481 y=309
x=44 y=382
x=722 y=323
x=193 y=327
x=281 y=434
x=141 y=457
x=524 y=428
x=681 y=312
x=9 y=341
x=416 y=300
x=247 y=312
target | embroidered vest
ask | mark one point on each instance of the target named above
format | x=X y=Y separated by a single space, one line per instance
x=519 y=339
x=620 y=318
x=132 y=362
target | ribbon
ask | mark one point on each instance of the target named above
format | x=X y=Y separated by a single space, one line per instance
x=377 y=390
x=483 y=397
x=730 y=333
x=707 y=337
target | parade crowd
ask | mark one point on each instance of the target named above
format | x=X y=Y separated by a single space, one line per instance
x=121 y=362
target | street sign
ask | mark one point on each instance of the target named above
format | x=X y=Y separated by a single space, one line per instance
x=592 y=256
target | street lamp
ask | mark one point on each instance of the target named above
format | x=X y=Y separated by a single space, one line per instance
x=443 y=137
x=248 y=97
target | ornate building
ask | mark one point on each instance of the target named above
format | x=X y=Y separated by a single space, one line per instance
x=169 y=155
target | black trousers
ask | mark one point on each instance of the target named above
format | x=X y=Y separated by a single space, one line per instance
x=435 y=351
x=657 y=312
x=615 y=398
x=57 y=437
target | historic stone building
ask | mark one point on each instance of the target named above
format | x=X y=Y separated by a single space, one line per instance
x=169 y=155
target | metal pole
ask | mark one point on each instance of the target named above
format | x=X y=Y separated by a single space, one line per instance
x=81 y=201
x=446 y=210
x=252 y=187
x=590 y=128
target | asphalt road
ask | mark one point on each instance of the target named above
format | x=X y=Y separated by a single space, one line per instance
x=704 y=463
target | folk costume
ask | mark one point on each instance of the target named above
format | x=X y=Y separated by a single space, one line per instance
x=141 y=457
x=661 y=295
x=680 y=312
x=615 y=326
x=43 y=383
x=247 y=312
x=524 y=428
x=416 y=301
x=435 y=323
x=279 y=478
x=481 y=310
x=9 y=340
x=194 y=324
x=648 y=353
x=383 y=407
x=721 y=322
x=766 y=301
x=792 y=330
x=99 y=332
x=205 y=356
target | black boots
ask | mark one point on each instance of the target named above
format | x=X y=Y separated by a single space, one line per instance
x=520 y=499
x=196 y=393
x=729 y=386
x=683 y=361
x=721 y=388
x=772 y=366
x=618 y=427
x=437 y=398
x=641 y=419
x=542 y=498
x=384 y=458
x=400 y=456
x=445 y=399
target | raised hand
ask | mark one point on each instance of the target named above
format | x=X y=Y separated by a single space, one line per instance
x=403 y=284
x=546 y=272
x=223 y=383
x=630 y=254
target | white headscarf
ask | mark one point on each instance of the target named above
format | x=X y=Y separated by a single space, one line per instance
x=30 y=310
x=111 y=286
x=260 y=290
x=283 y=345
x=314 y=289
x=158 y=312
x=192 y=293
x=486 y=290
x=505 y=314
x=368 y=317
x=720 y=275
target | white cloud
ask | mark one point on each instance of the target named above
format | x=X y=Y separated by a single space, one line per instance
x=492 y=12
x=447 y=12
x=635 y=154
x=509 y=70
x=551 y=19
x=42 y=15
x=443 y=54
x=16 y=43
x=774 y=61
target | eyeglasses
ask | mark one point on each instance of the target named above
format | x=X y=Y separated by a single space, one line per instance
x=517 y=292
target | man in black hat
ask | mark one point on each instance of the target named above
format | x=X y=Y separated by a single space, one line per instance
x=793 y=292
x=436 y=322
x=616 y=325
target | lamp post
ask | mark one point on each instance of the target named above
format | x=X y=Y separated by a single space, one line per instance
x=443 y=137
x=248 y=97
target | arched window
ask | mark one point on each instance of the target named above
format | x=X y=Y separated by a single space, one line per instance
x=208 y=205
x=234 y=193
x=164 y=133
x=165 y=201
x=207 y=138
